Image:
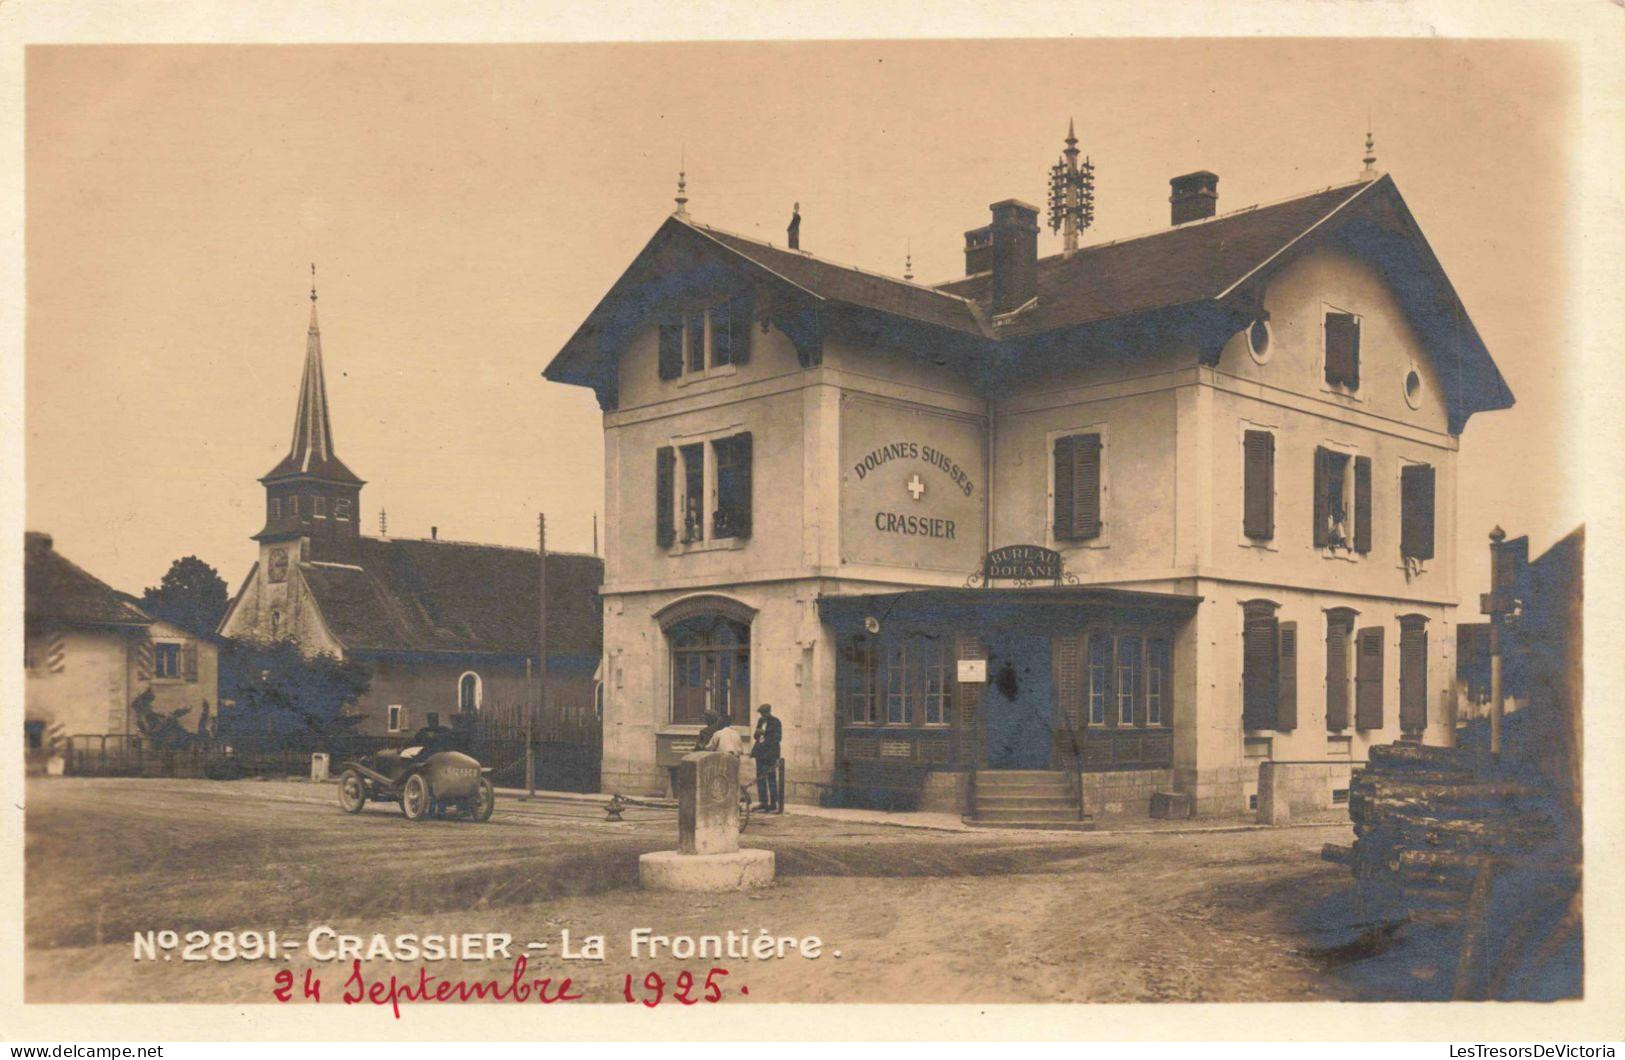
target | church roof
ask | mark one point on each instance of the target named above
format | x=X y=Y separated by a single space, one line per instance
x=408 y=595
x=58 y=590
x=311 y=452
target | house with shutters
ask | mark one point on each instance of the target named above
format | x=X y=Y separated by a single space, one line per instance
x=450 y=628
x=1043 y=540
x=89 y=651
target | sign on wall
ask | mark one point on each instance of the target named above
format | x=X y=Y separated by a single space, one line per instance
x=912 y=485
x=972 y=671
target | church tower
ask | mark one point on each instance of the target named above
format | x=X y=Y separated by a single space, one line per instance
x=311 y=498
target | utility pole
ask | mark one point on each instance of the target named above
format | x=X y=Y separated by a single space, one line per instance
x=1496 y=609
x=541 y=652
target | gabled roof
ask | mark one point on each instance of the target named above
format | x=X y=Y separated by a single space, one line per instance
x=1194 y=262
x=57 y=590
x=1203 y=275
x=405 y=595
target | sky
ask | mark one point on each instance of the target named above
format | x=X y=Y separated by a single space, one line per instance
x=467 y=206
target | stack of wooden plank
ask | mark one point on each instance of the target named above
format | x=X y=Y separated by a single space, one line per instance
x=1457 y=838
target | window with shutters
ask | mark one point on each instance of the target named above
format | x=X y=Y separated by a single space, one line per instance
x=396 y=716
x=1260 y=665
x=1258 y=485
x=1339 y=671
x=1077 y=487
x=703 y=491
x=1342 y=335
x=1416 y=483
x=1413 y=673
x=705 y=338
x=1368 y=653
x=693 y=509
x=733 y=486
x=166 y=661
x=1342 y=502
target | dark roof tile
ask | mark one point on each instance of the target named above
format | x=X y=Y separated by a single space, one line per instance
x=57 y=590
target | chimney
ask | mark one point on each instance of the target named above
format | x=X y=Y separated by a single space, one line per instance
x=794 y=230
x=1195 y=196
x=1013 y=238
x=434 y=533
x=978 y=250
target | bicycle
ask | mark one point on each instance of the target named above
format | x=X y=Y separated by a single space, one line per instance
x=744 y=806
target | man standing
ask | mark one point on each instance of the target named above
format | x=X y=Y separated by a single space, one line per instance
x=765 y=750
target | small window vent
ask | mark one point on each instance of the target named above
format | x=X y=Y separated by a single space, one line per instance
x=1340 y=796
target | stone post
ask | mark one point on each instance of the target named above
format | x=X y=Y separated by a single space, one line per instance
x=1273 y=801
x=708 y=803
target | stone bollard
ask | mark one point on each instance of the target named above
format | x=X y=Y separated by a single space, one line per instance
x=708 y=857
x=1273 y=805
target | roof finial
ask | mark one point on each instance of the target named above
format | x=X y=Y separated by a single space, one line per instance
x=908 y=262
x=682 y=184
x=313 y=326
x=1370 y=170
x=1071 y=193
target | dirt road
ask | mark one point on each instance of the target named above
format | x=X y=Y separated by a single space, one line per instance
x=915 y=915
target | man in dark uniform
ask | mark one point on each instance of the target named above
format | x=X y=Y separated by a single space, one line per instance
x=765 y=750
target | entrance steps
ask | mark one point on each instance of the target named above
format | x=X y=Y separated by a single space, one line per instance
x=1027 y=798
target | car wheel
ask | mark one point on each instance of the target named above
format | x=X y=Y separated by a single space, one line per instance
x=415 y=800
x=484 y=801
x=352 y=792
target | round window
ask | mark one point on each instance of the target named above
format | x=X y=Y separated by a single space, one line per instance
x=1258 y=340
x=1413 y=388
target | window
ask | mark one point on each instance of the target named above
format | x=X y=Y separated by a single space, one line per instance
x=1368 y=648
x=166 y=661
x=469 y=692
x=33 y=654
x=341 y=509
x=1159 y=664
x=1258 y=340
x=1269 y=669
x=693 y=457
x=1128 y=679
x=710 y=662
x=1413 y=389
x=1339 y=641
x=724 y=478
x=1343 y=350
x=397 y=717
x=898 y=681
x=1416 y=511
x=1413 y=674
x=276 y=624
x=293 y=506
x=706 y=337
x=1342 y=508
x=1100 y=664
x=862 y=666
x=1076 y=487
x=318 y=507
x=1258 y=485
x=276 y=508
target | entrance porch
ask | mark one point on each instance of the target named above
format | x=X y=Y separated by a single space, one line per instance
x=937 y=686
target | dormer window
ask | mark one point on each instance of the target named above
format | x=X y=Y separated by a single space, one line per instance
x=705 y=338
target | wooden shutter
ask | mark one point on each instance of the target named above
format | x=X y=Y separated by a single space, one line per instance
x=1343 y=349
x=1063 y=464
x=1086 y=487
x=1260 y=671
x=1323 y=513
x=1362 y=504
x=741 y=315
x=1286 y=708
x=1258 y=485
x=671 y=349
x=742 y=477
x=1337 y=674
x=1368 y=678
x=189 y=661
x=1416 y=511
x=1413 y=676
x=665 y=496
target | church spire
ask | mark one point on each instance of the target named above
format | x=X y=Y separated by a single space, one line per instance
x=311 y=451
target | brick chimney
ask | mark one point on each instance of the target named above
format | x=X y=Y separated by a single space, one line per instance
x=1195 y=196
x=1013 y=254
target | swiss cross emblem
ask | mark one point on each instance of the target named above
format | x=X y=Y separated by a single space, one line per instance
x=916 y=488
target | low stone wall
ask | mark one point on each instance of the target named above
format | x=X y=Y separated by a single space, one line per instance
x=1124 y=794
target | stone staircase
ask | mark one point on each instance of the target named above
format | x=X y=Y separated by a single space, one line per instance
x=1027 y=798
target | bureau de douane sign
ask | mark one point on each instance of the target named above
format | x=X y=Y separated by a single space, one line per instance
x=1022 y=563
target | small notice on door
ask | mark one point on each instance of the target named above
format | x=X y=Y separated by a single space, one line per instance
x=972 y=671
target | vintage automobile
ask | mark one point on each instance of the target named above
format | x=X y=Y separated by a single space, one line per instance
x=425 y=779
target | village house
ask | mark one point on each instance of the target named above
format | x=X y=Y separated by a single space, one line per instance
x=90 y=651
x=444 y=627
x=1124 y=520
